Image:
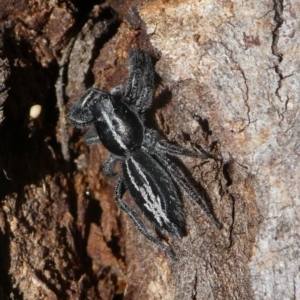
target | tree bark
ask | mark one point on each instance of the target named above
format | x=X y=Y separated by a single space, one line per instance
x=228 y=82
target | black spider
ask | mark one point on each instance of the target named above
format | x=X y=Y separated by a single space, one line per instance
x=117 y=120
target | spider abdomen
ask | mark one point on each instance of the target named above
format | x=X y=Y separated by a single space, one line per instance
x=154 y=192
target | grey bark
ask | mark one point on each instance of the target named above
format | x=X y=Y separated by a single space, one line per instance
x=236 y=65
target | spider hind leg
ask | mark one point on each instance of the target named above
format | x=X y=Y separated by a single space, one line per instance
x=180 y=179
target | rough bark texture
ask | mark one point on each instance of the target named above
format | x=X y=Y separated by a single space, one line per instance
x=229 y=82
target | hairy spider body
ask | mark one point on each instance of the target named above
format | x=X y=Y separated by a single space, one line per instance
x=117 y=120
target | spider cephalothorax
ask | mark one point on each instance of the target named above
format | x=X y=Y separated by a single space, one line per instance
x=117 y=120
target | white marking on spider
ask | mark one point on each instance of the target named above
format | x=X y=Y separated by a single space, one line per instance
x=152 y=202
x=87 y=98
x=115 y=135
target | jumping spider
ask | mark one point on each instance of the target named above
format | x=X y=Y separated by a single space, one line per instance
x=117 y=119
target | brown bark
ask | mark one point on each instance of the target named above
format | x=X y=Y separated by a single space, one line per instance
x=229 y=82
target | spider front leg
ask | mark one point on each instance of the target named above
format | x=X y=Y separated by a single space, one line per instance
x=180 y=179
x=140 y=86
x=91 y=137
x=120 y=190
x=145 y=98
x=136 y=72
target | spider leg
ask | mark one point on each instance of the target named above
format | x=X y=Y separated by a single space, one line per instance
x=108 y=168
x=155 y=141
x=120 y=190
x=117 y=92
x=132 y=88
x=91 y=137
x=179 y=177
x=177 y=150
x=140 y=86
x=145 y=98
